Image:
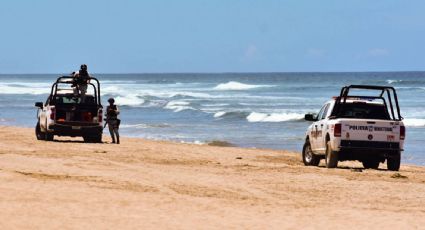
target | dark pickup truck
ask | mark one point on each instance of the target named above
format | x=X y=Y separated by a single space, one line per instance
x=66 y=114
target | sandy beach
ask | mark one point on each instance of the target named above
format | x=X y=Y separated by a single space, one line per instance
x=143 y=184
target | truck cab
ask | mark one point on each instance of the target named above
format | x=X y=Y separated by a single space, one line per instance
x=352 y=127
x=67 y=114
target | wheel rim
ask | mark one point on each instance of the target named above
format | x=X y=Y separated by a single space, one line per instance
x=308 y=155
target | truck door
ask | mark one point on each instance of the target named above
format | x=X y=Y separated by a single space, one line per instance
x=321 y=130
x=314 y=133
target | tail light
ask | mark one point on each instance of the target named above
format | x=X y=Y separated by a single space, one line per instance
x=100 y=116
x=337 y=130
x=402 y=132
x=86 y=116
x=52 y=113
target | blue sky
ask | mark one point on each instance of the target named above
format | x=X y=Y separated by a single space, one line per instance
x=138 y=36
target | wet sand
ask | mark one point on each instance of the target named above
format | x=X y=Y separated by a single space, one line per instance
x=144 y=184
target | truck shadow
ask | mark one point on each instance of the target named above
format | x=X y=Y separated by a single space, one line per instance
x=69 y=141
x=354 y=169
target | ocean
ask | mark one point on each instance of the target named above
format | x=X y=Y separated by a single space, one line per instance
x=254 y=110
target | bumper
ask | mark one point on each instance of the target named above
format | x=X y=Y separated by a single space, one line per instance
x=75 y=131
x=370 y=145
x=357 y=150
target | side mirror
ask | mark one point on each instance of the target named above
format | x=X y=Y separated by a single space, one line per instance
x=310 y=117
x=39 y=105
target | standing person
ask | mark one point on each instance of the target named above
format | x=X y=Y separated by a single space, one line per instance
x=112 y=120
x=81 y=79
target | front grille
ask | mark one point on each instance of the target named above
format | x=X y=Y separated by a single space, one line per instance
x=370 y=144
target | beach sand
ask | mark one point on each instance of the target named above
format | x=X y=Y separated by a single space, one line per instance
x=143 y=184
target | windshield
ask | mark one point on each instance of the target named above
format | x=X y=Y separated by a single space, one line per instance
x=364 y=111
x=71 y=99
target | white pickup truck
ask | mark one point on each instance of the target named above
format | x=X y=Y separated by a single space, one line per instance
x=66 y=114
x=364 y=128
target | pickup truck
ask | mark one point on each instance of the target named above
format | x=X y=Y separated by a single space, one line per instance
x=368 y=129
x=66 y=114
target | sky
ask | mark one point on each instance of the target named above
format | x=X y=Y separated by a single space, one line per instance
x=167 y=36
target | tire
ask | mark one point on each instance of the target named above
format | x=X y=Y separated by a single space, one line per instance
x=309 y=158
x=371 y=164
x=49 y=136
x=41 y=136
x=87 y=139
x=93 y=139
x=97 y=138
x=393 y=162
x=331 y=157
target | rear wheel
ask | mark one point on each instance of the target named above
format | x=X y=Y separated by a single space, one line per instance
x=49 y=136
x=93 y=139
x=309 y=158
x=331 y=158
x=371 y=164
x=97 y=138
x=393 y=162
x=38 y=134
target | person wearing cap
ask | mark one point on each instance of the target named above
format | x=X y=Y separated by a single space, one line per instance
x=81 y=79
x=112 y=120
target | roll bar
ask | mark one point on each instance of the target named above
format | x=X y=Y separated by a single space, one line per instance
x=70 y=80
x=384 y=91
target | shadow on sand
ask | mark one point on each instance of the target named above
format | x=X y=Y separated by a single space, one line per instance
x=354 y=169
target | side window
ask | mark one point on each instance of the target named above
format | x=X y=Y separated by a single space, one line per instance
x=319 y=116
x=325 y=112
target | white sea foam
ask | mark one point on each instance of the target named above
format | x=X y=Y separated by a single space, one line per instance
x=129 y=100
x=274 y=117
x=414 y=122
x=219 y=114
x=144 y=126
x=234 y=85
x=215 y=105
x=178 y=106
x=24 y=88
x=393 y=81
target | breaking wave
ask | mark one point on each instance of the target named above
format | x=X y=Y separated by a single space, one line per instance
x=274 y=117
x=234 y=85
x=129 y=100
x=178 y=106
x=414 y=122
x=145 y=126
x=24 y=88
x=393 y=81
x=232 y=114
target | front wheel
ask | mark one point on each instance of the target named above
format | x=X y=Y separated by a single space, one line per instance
x=393 y=162
x=331 y=158
x=309 y=158
x=38 y=133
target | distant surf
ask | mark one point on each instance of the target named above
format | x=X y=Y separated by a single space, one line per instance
x=274 y=117
x=234 y=85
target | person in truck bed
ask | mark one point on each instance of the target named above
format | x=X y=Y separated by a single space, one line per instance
x=112 y=120
x=81 y=79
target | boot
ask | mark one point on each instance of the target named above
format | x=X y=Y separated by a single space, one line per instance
x=118 y=140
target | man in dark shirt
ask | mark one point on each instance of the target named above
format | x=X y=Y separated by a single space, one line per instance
x=112 y=120
x=81 y=79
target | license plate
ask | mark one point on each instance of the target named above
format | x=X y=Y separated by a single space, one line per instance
x=76 y=127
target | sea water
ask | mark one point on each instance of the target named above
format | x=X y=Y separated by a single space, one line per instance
x=255 y=110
